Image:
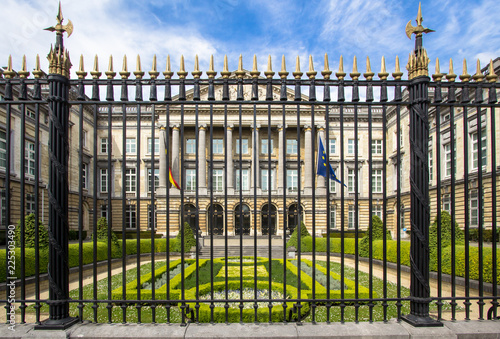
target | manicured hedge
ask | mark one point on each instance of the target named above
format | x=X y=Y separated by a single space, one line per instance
x=73 y=254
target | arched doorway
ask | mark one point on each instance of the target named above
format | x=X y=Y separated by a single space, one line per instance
x=268 y=219
x=191 y=216
x=294 y=217
x=242 y=219
x=215 y=219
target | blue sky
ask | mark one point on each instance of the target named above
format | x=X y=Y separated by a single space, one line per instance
x=375 y=28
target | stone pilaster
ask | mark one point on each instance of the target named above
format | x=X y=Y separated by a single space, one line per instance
x=255 y=182
x=230 y=164
x=202 y=158
x=175 y=155
x=281 y=152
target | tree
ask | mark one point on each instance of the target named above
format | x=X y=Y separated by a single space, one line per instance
x=102 y=232
x=294 y=237
x=30 y=233
x=377 y=234
x=186 y=234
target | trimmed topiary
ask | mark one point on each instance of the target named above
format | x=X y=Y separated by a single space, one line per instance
x=30 y=232
x=189 y=239
x=102 y=232
x=377 y=234
x=303 y=234
x=445 y=232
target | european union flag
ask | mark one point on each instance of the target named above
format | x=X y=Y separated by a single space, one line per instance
x=322 y=164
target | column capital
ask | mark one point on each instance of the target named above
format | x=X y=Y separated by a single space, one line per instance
x=257 y=126
x=163 y=128
x=280 y=127
x=320 y=128
x=229 y=126
x=175 y=126
x=202 y=127
x=307 y=128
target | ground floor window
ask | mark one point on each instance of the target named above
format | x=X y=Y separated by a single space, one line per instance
x=130 y=217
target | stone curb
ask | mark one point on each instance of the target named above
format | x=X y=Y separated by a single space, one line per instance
x=391 y=330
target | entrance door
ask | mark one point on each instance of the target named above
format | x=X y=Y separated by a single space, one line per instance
x=216 y=219
x=242 y=219
x=268 y=220
x=294 y=217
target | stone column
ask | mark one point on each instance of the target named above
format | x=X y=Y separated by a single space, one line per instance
x=163 y=159
x=320 y=180
x=255 y=182
x=281 y=163
x=308 y=161
x=202 y=158
x=175 y=154
x=230 y=165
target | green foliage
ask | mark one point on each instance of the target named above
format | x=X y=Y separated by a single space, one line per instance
x=487 y=235
x=293 y=241
x=102 y=232
x=347 y=234
x=75 y=235
x=30 y=232
x=446 y=230
x=189 y=239
x=377 y=234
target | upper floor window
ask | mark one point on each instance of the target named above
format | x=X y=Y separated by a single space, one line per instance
x=350 y=146
x=291 y=146
x=377 y=146
x=84 y=138
x=244 y=180
x=190 y=146
x=292 y=180
x=376 y=181
x=103 y=180
x=30 y=113
x=130 y=146
x=3 y=150
x=478 y=149
x=218 y=180
x=156 y=178
x=85 y=174
x=218 y=146
x=157 y=146
x=130 y=180
x=244 y=146
x=29 y=158
x=190 y=180
x=333 y=146
x=264 y=178
x=430 y=160
x=266 y=146
x=104 y=145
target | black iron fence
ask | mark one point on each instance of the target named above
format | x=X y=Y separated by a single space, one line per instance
x=232 y=167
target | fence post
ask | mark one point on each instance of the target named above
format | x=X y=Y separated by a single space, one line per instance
x=58 y=270
x=419 y=179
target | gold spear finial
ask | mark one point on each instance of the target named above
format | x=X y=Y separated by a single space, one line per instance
x=311 y=73
x=23 y=73
x=478 y=77
x=211 y=72
x=124 y=73
x=269 y=73
x=283 y=73
x=153 y=73
x=9 y=73
x=369 y=74
x=326 y=71
x=451 y=76
x=419 y=29
x=182 y=71
x=138 y=72
x=464 y=77
x=341 y=74
x=355 y=74
x=196 y=73
x=397 y=74
x=59 y=28
x=255 y=72
x=491 y=77
x=383 y=72
x=240 y=72
x=110 y=74
x=225 y=69
x=437 y=76
x=168 y=71
x=37 y=72
x=297 y=74
x=95 y=72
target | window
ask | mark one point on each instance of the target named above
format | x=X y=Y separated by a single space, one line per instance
x=190 y=146
x=401 y=136
x=395 y=176
x=291 y=146
x=130 y=216
x=29 y=158
x=266 y=147
x=402 y=219
x=350 y=146
x=130 y=180
x=430 y=159
x=264 y=178
x=244 y=146
x=30 y=113
x=130 y=146
x=85 y=173
x=377 y=181
x=190 y=180
x=377 y=210
x=103 y=178
x=474 y=208
x=157 y=146
x=151 y=216
x=475 y=150
x=157 y=179
x=3 y=206
x=377 y=146
x=333 y=216
x=30 y=204
x=244 y=180
x=333 y=146
x=84 y=138
x=447 y=159
x=350 y=218
x=333 y=186
x=104 y=145
x=3 y=150
x=218 y=145
x=292 y=180
x=351 y=177
x=104 y=211
x=217 y=180
x=447 y=203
